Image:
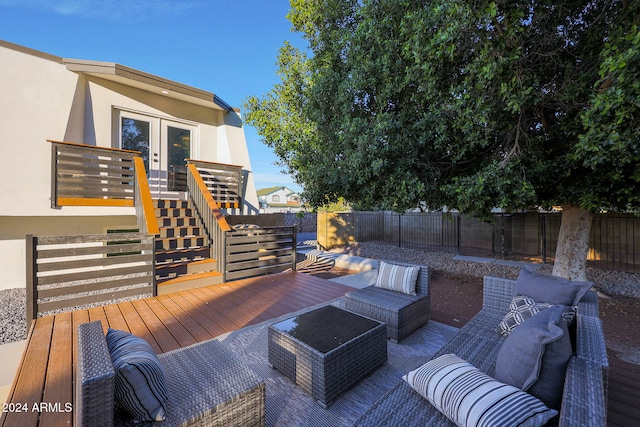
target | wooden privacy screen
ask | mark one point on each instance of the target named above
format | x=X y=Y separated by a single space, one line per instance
x=68 y=272
x=86 y=175
x=255 y=251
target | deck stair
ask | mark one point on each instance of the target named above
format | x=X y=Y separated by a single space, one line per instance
x=182 y=255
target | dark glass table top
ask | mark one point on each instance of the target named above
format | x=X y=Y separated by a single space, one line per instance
x=326 y=328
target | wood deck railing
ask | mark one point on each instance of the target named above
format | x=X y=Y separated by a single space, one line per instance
x=86 y=175
x=240 y=253
x=253 y=252
x=225 y=182
x=209 y=213
x=67 y=272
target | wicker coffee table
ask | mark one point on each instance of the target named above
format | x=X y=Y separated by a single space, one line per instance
x=327 y=350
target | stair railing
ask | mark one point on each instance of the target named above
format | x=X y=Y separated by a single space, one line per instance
x=224 y=182
x=212 y=218
x=145 y=213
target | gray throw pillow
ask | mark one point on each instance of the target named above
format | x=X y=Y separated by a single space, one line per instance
x=535 y=355
x=550 y=289
x=140 y=385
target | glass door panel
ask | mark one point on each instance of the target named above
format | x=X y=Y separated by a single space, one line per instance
x=135 y=135
x=140 y=133
x=177 y=138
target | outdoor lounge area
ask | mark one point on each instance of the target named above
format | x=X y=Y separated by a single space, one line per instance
x=235 y=319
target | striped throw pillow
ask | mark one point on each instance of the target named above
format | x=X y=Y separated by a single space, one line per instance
x=469 y=397
x=397 y=278
x=140 y=382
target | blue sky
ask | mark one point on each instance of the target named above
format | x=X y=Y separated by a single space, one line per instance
x=228 y=47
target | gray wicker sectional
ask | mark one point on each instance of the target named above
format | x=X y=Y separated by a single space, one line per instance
x=207 y=385
x=584 y=395
x=401 y=312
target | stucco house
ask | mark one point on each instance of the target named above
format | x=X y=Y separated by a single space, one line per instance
x=70 y=124
x=279 y=199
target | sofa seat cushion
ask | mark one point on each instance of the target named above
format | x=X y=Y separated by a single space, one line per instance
x=469 y=397
x=386 y=298
x=397 y=278
x=140 y=384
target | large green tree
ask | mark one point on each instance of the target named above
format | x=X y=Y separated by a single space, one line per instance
x=470 y=105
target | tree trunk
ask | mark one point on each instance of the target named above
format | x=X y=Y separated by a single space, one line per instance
x=573 y=243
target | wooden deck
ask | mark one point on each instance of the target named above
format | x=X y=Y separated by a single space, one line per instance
x=179 y=319
x=167 y=322
x=623 y=407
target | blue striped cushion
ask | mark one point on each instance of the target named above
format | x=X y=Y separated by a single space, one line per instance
x=140 y=383
x=397 y=278
x=469 y=397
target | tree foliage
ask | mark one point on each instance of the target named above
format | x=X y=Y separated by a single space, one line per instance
x=469 y=105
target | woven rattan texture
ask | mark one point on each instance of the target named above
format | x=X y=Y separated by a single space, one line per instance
x=326 y=375
x=584 y=396
x=402 y=313
x=207 y=385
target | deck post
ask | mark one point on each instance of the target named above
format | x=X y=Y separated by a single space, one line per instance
x=294 y=247
x=32 y=278
x=54 y=176
x=153 y=266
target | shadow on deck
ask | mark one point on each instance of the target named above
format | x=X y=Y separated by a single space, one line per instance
x=167 y=322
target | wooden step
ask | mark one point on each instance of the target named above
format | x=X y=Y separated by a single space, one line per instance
x=190 y=281
x=179 y=231
x=171 y=270
x=173 y=212
x=181 y=255
x=170 y=203
x=175 y=243
x=177 y=222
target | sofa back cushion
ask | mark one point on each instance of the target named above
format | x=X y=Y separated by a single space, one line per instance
x=397 y=278
x=140 y=385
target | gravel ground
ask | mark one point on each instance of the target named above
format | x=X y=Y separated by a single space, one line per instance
x=13 y=315
x=611 y=283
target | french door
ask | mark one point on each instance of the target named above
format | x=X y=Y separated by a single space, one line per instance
x=164 y=144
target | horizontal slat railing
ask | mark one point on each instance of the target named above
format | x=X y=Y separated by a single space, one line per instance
x=224 y=182
x=257 y=251
x=209 y=214
x=86 y=175
x=68 y=272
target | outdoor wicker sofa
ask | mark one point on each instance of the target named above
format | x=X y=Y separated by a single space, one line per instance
x=584 y=394
x=403 y=313
x=206 y=385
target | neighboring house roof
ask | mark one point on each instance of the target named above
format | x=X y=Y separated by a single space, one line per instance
x=269 y=190
x=264 y=192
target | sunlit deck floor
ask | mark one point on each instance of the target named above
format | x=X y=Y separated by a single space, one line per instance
x=167 y=322
x=183 y=318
